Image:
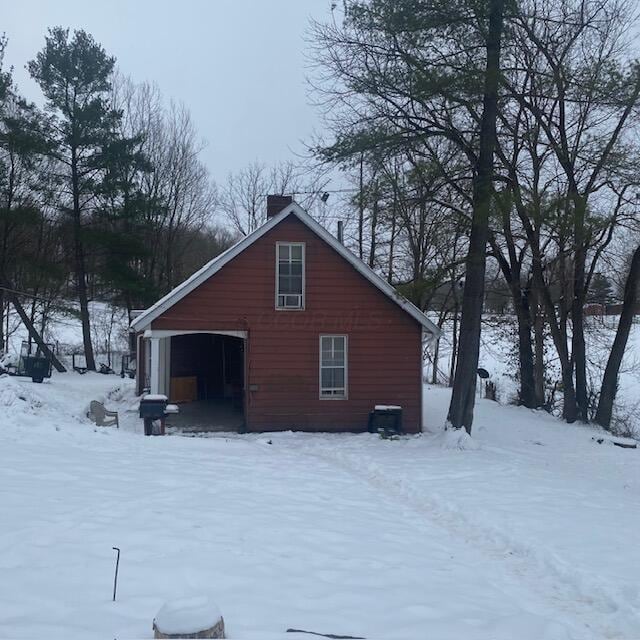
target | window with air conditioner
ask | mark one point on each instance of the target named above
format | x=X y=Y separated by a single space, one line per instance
x=290 y=275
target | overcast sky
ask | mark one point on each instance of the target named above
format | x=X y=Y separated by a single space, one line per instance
x=238 y=65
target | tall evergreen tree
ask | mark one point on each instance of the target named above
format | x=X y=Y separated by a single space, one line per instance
x=74 y=73
x=464 y=384
x=121 y=216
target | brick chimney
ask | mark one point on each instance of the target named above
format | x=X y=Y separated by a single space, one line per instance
x=275 y=204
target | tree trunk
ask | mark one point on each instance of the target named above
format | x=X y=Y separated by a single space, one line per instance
x=578 y=347
x=392 y=241
x=81 y=276
x=4 y=337
x=538 y=333
x=464 y=387
x=569 y=403
x=84 y=307
x=610 y=380
x=6 y=327
x=434 y=371
x=520 y=298
x=525 y=352
x=559 y=335
x=361 y=209
x=32 y=312
x=578 y=350
x=454 y=345
x=374 y=224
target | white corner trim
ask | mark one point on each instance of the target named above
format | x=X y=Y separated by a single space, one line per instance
x=154 y=374
x=147 y=317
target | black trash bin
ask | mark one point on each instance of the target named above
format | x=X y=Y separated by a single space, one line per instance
x=36 y=367
x=386 y=419
x=153 y=407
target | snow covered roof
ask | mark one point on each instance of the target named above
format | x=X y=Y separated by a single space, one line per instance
x=144 y=319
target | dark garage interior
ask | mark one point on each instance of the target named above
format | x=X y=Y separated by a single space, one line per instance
x=207 y=381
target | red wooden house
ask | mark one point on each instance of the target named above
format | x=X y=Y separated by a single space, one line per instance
x=287 y=329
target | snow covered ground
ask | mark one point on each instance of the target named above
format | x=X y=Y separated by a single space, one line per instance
x=530 y=536
x=499 y=356
x=109 y=330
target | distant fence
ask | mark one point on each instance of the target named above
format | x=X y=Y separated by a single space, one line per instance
x=117 y=360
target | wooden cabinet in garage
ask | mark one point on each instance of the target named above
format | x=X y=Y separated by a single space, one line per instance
x=184 y=389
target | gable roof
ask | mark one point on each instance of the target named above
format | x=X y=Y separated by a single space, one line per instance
x=145 y=318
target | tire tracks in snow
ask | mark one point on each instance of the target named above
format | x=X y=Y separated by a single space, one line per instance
x=567 y=589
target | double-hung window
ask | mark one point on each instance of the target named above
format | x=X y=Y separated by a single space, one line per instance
x=290 y=275
x=333 y=367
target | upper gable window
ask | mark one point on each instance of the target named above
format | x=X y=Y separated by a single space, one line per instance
x=290 y=275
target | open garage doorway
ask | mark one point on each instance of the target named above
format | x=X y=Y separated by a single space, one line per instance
x=207 y=382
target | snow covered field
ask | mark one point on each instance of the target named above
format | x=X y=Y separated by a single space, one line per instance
x=109 y=330
x=531 y=536
x=498 y=354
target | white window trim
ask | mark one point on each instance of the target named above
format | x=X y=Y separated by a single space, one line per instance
x=304 y=275
x=346 y=366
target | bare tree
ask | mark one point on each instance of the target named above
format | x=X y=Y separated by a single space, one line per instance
x=243 y=200
x=576 y=52
x=179 y=195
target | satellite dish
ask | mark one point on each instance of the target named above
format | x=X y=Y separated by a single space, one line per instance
x=483 y=373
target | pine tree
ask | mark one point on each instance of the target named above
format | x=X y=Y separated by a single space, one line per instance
x=124 y=205
x=75 y=74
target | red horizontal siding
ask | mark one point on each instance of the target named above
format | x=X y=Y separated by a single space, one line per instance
x=384 y=342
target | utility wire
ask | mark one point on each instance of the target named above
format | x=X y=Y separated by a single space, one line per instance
x=26 y=295
x=318 y=192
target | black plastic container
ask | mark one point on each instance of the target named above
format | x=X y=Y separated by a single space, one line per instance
x=386 y=420
x=152 y=408
x=37 y=368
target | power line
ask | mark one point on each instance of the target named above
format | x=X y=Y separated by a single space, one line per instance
x=26 y=295
x=318 y=192
x=52 y=300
